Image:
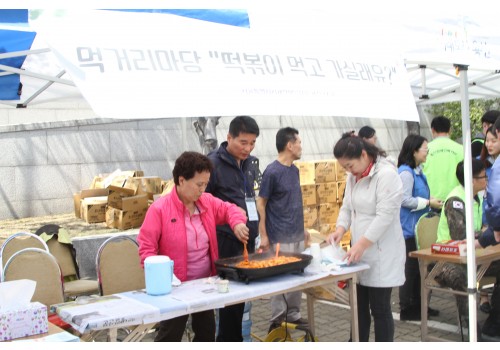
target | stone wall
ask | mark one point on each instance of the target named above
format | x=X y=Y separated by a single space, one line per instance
x=43 y=164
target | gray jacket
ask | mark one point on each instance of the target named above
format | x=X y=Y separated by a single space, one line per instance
x=371 y=209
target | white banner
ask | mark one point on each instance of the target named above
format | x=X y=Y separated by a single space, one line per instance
x=148 y=65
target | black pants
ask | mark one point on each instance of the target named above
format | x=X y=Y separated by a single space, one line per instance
x=378 y=301
x=409 y=292
x=231 y=317
x=203 y=324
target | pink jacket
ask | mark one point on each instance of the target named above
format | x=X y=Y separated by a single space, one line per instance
x=163 y=231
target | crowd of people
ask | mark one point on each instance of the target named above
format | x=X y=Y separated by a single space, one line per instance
x=213 y=212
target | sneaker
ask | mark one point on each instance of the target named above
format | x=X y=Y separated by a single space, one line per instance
x=432 y=312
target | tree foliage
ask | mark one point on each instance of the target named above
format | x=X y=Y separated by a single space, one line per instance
x=453 y=111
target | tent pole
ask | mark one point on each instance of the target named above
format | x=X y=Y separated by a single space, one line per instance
x=42 y=89
x=423 y=81
x=471 y=251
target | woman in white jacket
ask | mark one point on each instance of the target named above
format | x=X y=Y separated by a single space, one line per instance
x=371 y=211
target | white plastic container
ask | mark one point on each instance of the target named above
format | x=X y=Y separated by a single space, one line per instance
x=316 y=254
x=223 y=286
x=158 y=271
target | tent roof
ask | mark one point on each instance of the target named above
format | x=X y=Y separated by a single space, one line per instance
x=439 y=81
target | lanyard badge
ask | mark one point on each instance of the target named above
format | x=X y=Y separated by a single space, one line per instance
x=251 y=209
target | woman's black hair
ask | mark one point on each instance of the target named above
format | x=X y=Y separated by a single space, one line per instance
x=366 y=132
x=190 y=163
x=411 y=144
x=350 y=146
x=484 y=151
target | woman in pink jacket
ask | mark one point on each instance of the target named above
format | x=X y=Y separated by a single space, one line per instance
x=181 y=225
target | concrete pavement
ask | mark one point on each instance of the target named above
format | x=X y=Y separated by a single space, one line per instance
x=333 y=320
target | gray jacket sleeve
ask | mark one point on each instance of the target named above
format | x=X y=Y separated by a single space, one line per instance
x=344 y=218
x=409 y=201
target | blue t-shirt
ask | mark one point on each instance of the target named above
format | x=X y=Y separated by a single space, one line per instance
x=284 y=212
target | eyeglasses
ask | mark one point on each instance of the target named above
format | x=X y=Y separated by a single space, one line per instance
x=480 y=177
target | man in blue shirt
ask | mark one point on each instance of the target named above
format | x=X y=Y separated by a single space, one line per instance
x=282 y=218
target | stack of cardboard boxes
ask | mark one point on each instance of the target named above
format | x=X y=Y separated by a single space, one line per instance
x=120 y=199
x=323 y=184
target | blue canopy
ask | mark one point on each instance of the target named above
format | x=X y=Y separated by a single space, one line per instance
x=12 y=41
x=238 y=18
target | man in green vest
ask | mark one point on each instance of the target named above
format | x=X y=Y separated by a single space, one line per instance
x=452 y=220
x=442 y=159
x=452 y=226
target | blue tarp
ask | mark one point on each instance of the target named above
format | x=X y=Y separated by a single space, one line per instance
x=12 y=41
x=238 y=18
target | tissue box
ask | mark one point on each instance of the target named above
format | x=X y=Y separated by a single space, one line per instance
x=23 y=322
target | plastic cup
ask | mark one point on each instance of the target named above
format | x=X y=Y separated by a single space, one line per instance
x=316 y=253
x=223 y=286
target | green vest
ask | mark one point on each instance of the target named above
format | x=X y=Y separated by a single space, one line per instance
x=443 y=233
x=441 y=165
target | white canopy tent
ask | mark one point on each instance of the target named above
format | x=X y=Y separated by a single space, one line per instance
x=466 y=66
x=462 y=89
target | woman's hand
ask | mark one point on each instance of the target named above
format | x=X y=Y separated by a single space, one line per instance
x=435 y=203
x=356 y=252
x=241 y=232
x=335 y=237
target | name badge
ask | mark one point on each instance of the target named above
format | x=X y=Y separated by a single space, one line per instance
x=251 y=209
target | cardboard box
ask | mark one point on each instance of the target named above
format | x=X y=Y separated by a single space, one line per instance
x=77 y=198
x=98 y=181
x=118 y=178
x=28 y=321
x=340 y=191
x=345 y=242
x=145 y=184
x=124 y=199
x=308 y=195
x=328 y=213
x=341 y=174
x=310 y=216
x=125 y=210
x=124 y=220
x=327 y=293
x=325 y=229
x=306 y=172
x=77 y=204
x=326 y=192
x=168 y=186
x=93 y=209
x=325 y=171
